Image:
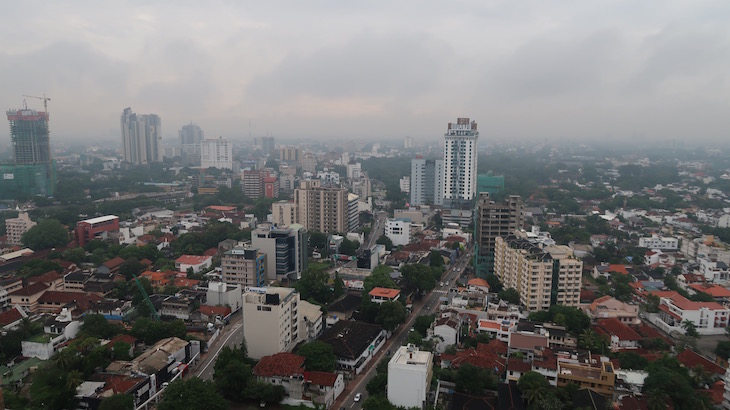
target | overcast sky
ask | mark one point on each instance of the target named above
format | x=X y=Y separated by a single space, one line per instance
x=623 y=69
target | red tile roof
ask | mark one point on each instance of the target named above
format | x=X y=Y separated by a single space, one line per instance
x=113 y=263
x=281 y=364
x=321 y=378
x=211 y=252
x=29 y=290
x=614 y=327
x=716 y=291
x=521 y=366
x=686 y=304
x=215 y=310
x=384 y=293
x=478 y=282
x=618 y=269
x=484 y=358
x=50 y=276
x=192 y=259
x=10 y=316
x=185 y=282
x=691 y=359
x=122 y=338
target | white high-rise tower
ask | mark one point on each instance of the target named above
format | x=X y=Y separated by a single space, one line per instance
x=460 y=162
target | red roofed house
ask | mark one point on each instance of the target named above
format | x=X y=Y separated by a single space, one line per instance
x=209 y=313
x=381 y=295
x=11 y=318
x=323 y=387
x=691 y=359
x=477 y=284
x=710 y=318
x=196 y=262
x=719 y=293
x=492 y=356
x=111 y=266
x=608 y=307
x=284 y=369
x=27 y=297
x=52 y=279
x=621 y=336
x=76 y=302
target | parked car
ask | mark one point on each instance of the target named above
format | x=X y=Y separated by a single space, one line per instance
x=358 y=397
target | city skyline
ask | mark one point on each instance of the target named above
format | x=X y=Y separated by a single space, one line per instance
x=619 y=70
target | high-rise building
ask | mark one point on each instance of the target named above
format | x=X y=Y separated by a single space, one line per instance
x=321 y=209
x=427 y=181
x=16 y=227
x=141 y=137
x=191 y=135
x=271 y=320
x=267 y=144
x=495 y=220
x=244 y=266
x=285 y=249
x=284 y=213
x=216 y=153
x=271 y=187
x=542 y=275
x=408 y=142
x=252 y=182
x=460 y=162
x=33 y=171
x=289 y=154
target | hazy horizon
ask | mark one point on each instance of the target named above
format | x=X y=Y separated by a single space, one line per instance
x=652 y=70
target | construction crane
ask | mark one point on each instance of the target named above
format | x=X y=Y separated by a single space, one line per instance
x=146 y=298
x=44 y=98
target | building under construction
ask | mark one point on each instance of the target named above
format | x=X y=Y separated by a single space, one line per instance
x=33 y=170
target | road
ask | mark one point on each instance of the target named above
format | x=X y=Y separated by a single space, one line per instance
x=231 y=336
x=426 y=306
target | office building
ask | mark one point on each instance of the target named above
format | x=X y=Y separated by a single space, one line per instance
x=270 y=320
x=253 y=183
x=101 y=228
x=353 y=212
x=33 y=171
x=409 y=377
x=427 y=181
x=16 y=227
x=325 y=210
x=460 y=162
x=495 y=220
x=285 y=249
x=216 y=153
x=289 y=154
x=398 y=231
x=191 y=136
x=543 y=276
x=362 y=188
x=244 y=266
x=141 y=137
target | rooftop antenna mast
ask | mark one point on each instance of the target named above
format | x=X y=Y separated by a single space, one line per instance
x=44 y=98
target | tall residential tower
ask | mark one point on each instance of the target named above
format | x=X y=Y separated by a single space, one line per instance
x=460 y=162
x=141 y=136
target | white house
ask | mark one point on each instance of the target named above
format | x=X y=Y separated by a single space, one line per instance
x=55 y=332
x=664 y=243
x=447 y=329
x=709 y=318
x=197 y=262
x=398 y=231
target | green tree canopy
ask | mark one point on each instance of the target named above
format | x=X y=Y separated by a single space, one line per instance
x=192 y=393
x=509 y=295
x=48 y=233
x=473 y=379
x=385 y=241
x=150 y=331
x=117 y=402
x=436 y=259
x=318 y=355
x=314 y=284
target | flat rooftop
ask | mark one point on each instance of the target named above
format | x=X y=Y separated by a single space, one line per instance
x=415 y=357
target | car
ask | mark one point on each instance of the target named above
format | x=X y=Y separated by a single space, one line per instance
x=447 y=283
x=358 y=397
x=413 y=329
x=441 y=284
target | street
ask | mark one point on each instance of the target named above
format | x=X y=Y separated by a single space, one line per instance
x=426 y=306
x=231 y=336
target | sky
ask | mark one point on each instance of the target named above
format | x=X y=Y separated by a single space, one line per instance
x=524 y=70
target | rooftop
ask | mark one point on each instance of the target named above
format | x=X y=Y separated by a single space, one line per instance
x=100 y=219
x=282 y=364
x=349 y=339
x=384 y=293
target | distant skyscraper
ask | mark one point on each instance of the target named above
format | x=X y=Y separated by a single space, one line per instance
x=216 y=153
x=427 y=176
x=460 y=162
x=141 y=136
x=408 y=143
x=267 y=144
x=33 y=171
x=190 y=138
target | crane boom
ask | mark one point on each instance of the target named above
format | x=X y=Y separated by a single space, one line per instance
x=44 y=98
x=146 y=298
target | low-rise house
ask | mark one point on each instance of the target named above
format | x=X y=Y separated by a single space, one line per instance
x=323 y=388
x=111 y=266
x=75 y=281
x=56 y=331
x=477 y=284
x=446 y=330
x=382 y=295
x=719 y=293
x=526 y=342
x=311 y=321
x=601 y=379
x=691 y=360
x=52 y=279
x=492 y=356
x=196 y=262
x=354 y=344
x=100 y=386
x=77 y=303
x=283 y=369
x=709 y=318
x=621 y=336
x=164 y=359
x=181 y=305
x=497 y=329
x=10 y=319
x=607 y=307
x=27 y=297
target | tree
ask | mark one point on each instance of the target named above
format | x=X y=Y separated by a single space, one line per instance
x=419 y=277
x=318 y=356
x=348 y=247
x=390 y=315
x=192 y=393
x=385 y=241
x=509 y=295
x=150 y=331
x=75 y=255
x=117 y=402
x=631 y=360
x=314 y=285
x=231 y=378
x=690 y=329
x=667 y=378
x=473 y=379
x=96 y=325
x=120 y=350
x=436 y=259
x=48 y=233
x=534 y=387
x=379 y=278
x=652 y=304
x=422 y=323
x=723 y=349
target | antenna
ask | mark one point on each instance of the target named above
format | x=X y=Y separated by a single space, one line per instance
x=44 y=98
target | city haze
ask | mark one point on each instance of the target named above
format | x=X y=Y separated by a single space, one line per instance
x=653 y=70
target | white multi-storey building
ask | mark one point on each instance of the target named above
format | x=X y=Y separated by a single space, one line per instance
x=216 y=153
x=141 y=136
x=409 y=376
x=270 y=320
x=460 y=161
x=427 y=181
x=398 y=231
x=354 y=171
x=659 y=242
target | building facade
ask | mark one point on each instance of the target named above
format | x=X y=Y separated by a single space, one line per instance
x=191 y=135
x=284 y=213
x=141 y=137
x=460 y=161
x=427 y=181
x=16 y=227
x=495 y=220
x=252 y=183
x=285 y=248
x=216 y=153
x=321 y=209
x=244 y=266
x=103 y=227
x=398 y=231
x=659 y=242
x=270 y=320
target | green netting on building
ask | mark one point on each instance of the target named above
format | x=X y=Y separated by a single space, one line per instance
x=23 y=180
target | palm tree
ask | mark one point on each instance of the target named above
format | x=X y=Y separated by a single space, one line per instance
x=73 y=379
x=63 y=359
x=699 y=375
x=690 y=329
x=657 y=399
